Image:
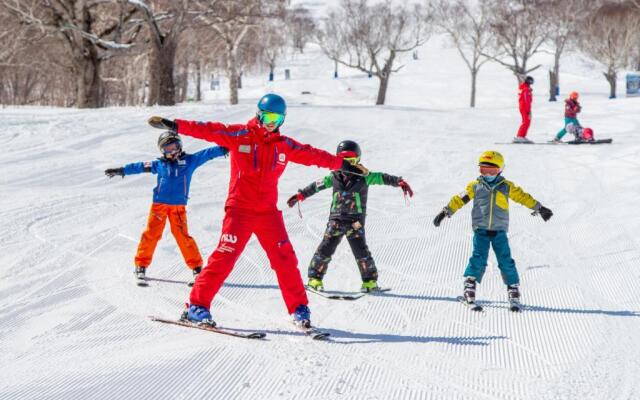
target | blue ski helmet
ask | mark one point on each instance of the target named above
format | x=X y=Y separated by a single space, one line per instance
x=272 y=103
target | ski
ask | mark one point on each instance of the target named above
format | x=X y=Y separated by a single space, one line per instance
x=313 y=332
x=344 y=295
x=471 y=306
x=223 y=331
x=550 y=143
x=515 y=307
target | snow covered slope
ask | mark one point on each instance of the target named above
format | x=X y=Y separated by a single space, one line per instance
x=73 y=325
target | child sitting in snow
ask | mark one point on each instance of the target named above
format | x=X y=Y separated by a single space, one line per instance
x=571 y=110
x=348 y=211
x=490 y=193
x=174 y=170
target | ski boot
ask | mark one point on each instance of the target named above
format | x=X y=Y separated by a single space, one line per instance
x=315 y=284
x=197 y=315
x=140 y=275
x=469 y=294
x=513 y=292
x=302 y=316
x=369 y=286
x=196 y=272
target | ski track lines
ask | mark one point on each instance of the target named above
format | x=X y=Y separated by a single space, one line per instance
x=68 y=262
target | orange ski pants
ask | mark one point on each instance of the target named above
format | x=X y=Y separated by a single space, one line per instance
x=177 y=215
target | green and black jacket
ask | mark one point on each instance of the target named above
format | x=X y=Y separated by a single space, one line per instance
x=349 y=192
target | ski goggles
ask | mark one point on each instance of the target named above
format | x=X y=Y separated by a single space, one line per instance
x=487 y=169
x=267 y=117
x=171 y=148
x=350 y=156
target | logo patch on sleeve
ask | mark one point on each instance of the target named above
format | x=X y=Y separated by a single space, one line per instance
x=147 y=164
x=244 y=148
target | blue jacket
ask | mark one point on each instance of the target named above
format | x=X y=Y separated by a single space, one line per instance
x=174 y=176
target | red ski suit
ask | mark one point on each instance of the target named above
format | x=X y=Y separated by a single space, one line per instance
x=524 y=102
x=258 y=159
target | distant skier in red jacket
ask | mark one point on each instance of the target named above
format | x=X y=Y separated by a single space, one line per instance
x=258 y=156
x=524 y=102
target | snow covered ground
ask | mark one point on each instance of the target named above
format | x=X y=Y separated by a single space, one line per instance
x=73 y=325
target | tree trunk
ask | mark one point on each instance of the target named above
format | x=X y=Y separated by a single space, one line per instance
x=198 y=81
x=611 y=75
x=162 y=87
x=232 y=73
x=384 y=79
x=382 y=89
x=474 y=77
x=554 y=75
x=88 y=78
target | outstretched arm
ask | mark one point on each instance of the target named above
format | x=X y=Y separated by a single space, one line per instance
x=379 y=178
x=518 y=195
x=457 y=202
x=132 y=169
x=217 y=132
x=310 y=190
x=205 y=155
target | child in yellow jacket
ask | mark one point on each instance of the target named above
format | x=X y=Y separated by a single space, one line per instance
x=490 y=193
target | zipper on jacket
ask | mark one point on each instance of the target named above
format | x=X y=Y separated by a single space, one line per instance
x=490 y=210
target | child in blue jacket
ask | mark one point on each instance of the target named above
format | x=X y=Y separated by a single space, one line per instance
x=174 y=170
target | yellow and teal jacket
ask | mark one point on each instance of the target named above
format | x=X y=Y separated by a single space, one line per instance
x=491 y=202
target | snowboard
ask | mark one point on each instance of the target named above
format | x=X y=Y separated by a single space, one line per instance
x=214 y=329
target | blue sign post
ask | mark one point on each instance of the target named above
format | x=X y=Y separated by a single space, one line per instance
x=633 y=85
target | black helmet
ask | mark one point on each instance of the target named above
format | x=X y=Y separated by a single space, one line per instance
x=167 y=138
x=529 y=80
x=349 y=146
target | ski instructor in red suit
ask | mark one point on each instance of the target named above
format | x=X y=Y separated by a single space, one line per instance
x=259 y=155
x=524 y=102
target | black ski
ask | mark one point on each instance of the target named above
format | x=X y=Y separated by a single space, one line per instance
x=471 y=306
x=345 y=295
x=313 y=332
x=205 y=327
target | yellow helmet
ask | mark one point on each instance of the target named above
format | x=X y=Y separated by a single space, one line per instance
x=491 y=157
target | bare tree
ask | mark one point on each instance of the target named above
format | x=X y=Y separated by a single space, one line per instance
x=519 y=32
x=610 y=37
x=300 y=27
x=164 y=27
x=562 y=20
x=272 y=44
x=231 y=21
x=91 y=31
x=467 y=26
x=369 y=38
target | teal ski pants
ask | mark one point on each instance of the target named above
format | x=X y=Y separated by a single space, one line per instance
x=567 y=121
x=482 y=240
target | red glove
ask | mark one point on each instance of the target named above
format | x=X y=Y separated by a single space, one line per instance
x=406 y=189
x=294 y=199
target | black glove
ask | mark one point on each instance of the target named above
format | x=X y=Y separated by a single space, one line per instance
x=225 y=151
x=163 y=123
x=545 y=213
x=441 y=215
x=357 y=169
x=295 y=198
x=111 y=172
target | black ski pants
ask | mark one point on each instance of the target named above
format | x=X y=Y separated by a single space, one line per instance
x=354 y=231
